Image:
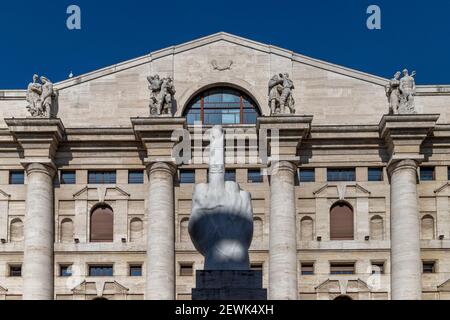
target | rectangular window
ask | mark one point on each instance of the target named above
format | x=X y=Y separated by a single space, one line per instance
x=375 y=174
x=307 y=269
x=101 y=271
x=307 y=175
x=68 y=177
x=17 y=177
x=102 y=177
x=186 y=269
x=342 y=268
x=15 y=270
x=136 y=270
x=377 y=267
x=136 y=177
x=448 y=173
x=336 y=175
x=254 y=176
x=230 y=175
x=65 y=270
x=257 y=266
x=429 y=267
x=427 y=174
x=187 y=176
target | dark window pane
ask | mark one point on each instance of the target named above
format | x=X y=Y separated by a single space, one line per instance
x=68 y=177
x=428 y=267
x=427 y=174
x=307 y=175
x=307 y=269
x=136 y=271
x=136 y=177
x=65 y=271
x=341 y=222
x=347 y=268
x=187 y=176
x=255 y=176
x=16 y=177
x=378 y=268
x=341 y=175
x=256 y=266
x=186 y=269
x=100 y=271
x=230 y=175
x=375 y=174
x=15 y=271
x=102 y=224
x=102 y=177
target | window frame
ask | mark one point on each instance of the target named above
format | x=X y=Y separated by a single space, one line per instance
x=103 y=266
x=61 y=267
x=342 y=174
x=228 y=173
x=10 y=270
x=180 y=176
x=434 y=266
x=305 y=265
x=257 y=178
x=304 y=170
x=141 y=175
x=102 y=173
x=381 y=174
x=183 y=265
x=343 y=265
x=132 y=266
x=379 y=264
x=11 y=178
x=70 y=182
x=423 y=175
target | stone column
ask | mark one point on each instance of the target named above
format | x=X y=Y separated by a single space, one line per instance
x=38 y=233
x=283 y=239
x=406 y=265
x=284 y=135
x=404 y=135
x=160 y=275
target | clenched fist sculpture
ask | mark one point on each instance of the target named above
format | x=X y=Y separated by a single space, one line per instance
x=221 y=224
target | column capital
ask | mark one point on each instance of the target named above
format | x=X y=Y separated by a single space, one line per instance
x=47 y=168
x=396 y=165
x=167 y=167
x=279 y=166
x=39 y=138
x=291 y=129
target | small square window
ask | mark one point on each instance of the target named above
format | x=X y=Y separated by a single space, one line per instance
x=15 y=271
x=342 y=268
x=68 y=177
x=102 y=177
x=375 y=174
x=186 y=269
x=187 y=176
x=255 y=176
x=101 y=271
x=427 y=174
x=136 y=177
x=230 y=175
x=429 y=267
x=16 y=177
x=257 y=266
x=136 y=270
x=307 y=175
x=65 y=270
x=307 y=269
x=377 y=267
x=337 y=175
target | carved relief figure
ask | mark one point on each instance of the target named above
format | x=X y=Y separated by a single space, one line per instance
x=41 y=97
x=161 y=97
x=281 y=99
x=401 y=93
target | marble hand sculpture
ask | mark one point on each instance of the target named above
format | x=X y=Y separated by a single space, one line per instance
x=221 y=224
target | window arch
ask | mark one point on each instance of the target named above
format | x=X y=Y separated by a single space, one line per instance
x=427 y=228
x=66 y=231
x=222 y=105
x=136 y=229
x=306 y=229
x=376 y=228
x=16 y=230
x=102 y=224
x=341 y=222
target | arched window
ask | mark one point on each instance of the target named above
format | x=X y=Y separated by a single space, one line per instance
x=184 y=234
x=427 y=228
x=102 y=224
x=376 y=228
x=257 y=230
x=341 y=222
x=136 y=230
x=306 y=229
x=16 y=230
x=222 y=106
x=66 y=231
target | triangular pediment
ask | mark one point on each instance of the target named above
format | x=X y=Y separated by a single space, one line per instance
x=445 y=287
x=341 y=190
x=444 y=190
x=3 y=290
x=101 y=194
x=4 y=196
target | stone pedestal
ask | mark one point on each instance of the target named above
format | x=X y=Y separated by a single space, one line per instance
x=156 y=136
x=229 y=285
x=39 y=139
x=284 y=141
x=404 y=134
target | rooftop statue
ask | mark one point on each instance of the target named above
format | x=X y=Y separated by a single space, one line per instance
x=221 y=224
x=281 y=100
x=401 y=92
x=161 y=97
x=41 y=97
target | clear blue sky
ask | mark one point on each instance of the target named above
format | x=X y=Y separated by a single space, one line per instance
x=34 y=38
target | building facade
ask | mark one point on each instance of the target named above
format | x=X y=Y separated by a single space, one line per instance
x=93 y=204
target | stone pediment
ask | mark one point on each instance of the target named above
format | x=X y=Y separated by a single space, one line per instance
x=445 y=287
x=3 y=290
x=341 y=191
x=443 y=191
x=101 y=194
x=99 y=288
x=4 y=196
x=342 y=286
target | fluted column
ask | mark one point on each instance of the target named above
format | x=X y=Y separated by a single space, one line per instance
x=160 y=275
x=283 y=280
x=406 y=265
x=38 y=233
